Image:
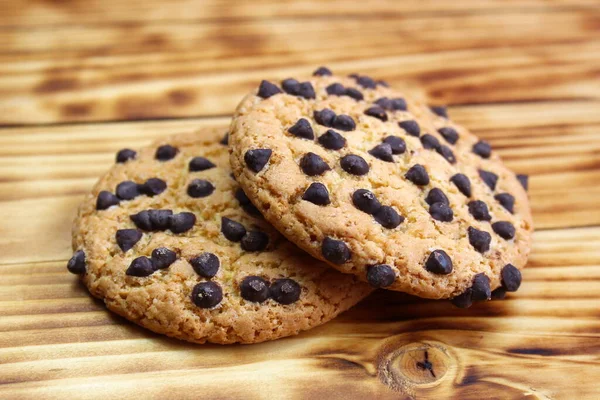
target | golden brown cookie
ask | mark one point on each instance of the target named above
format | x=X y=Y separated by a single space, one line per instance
x=168 y=240
x=382 y=186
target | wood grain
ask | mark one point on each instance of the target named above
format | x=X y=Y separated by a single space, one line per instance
x=152 y=70
x=24 y=13
x=522 y=74
x=68 y=342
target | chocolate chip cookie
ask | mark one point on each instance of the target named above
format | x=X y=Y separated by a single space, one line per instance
x=169 y=240
x=382 y=186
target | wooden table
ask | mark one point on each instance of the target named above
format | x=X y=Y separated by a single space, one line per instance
x=81 y=79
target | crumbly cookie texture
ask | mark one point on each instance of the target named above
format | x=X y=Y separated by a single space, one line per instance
x=168 y=240
x=382 y=186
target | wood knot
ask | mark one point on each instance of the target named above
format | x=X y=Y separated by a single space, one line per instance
x=415 y=365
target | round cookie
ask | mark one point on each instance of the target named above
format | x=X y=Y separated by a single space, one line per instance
x=382 y=186
x=168 y=240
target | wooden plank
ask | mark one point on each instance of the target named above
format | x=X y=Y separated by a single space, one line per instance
x=557 y=143
x=424 y=33
x=205 y=70
x=23 y=13
x=63 y=346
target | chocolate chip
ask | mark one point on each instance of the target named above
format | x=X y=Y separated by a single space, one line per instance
x=246 y=203
x=76 y=265
x=482 y=149
x=354 y=93
x=524 y=180
x=480 y=240
x=225 y=140
x=447 y=153
x=254 y=289
x=429 y=141
x=256 y=159
x=417 y=174
x=335 y=251
x=206 y=264
x=302 y=129
x=313 y=165
x=200 y=188
x=166 y=152
x=344 y=123
x=439 y=263
x=255 y=241
x=353 y=76
x=241 y=197
x=507 y=201
x=383 y=83
x=142 y=220
x=125 y=155
x=291 y=86
x=511 y=278
x=397 y=144
x=441 y=212
x=106 y=200
x=388 y=217
x=366 y=82
x=153 y=187
x=267 y=89
x=336 y=89
x=207 y=294
x=504 y=229
x=381 y=275
x=449 y=134
x=152 y=220
x=140 y=267
x=489 y=178
x=200 y=164
x=436 y=195
x=383 y=152
x=398 y=104
x=499 y=293
x=332 y=140
x=159 y=220
x=324 y=117
x=479 y=210
x=463 y=300
x=317 y=194
x=163 y=258
x=384 y=103
x=355 y=165
x=365 y=201
x=285 y=291
x=232 y=230
x=322 y=71
x=182 y=222
x=480 y=290
x=440 y=111
x=127 y=238
x=127 y=190
x=463 y=184
x=377 y=112
x=411 y=127
x=306 y=90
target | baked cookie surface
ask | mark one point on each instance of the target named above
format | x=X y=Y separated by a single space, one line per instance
x=168 y=240
x=382 y=186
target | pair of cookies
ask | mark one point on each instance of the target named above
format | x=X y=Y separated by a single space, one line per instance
x=386 y=190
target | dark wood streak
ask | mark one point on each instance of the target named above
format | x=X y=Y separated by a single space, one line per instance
x=534 y=351
x=55 y=85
